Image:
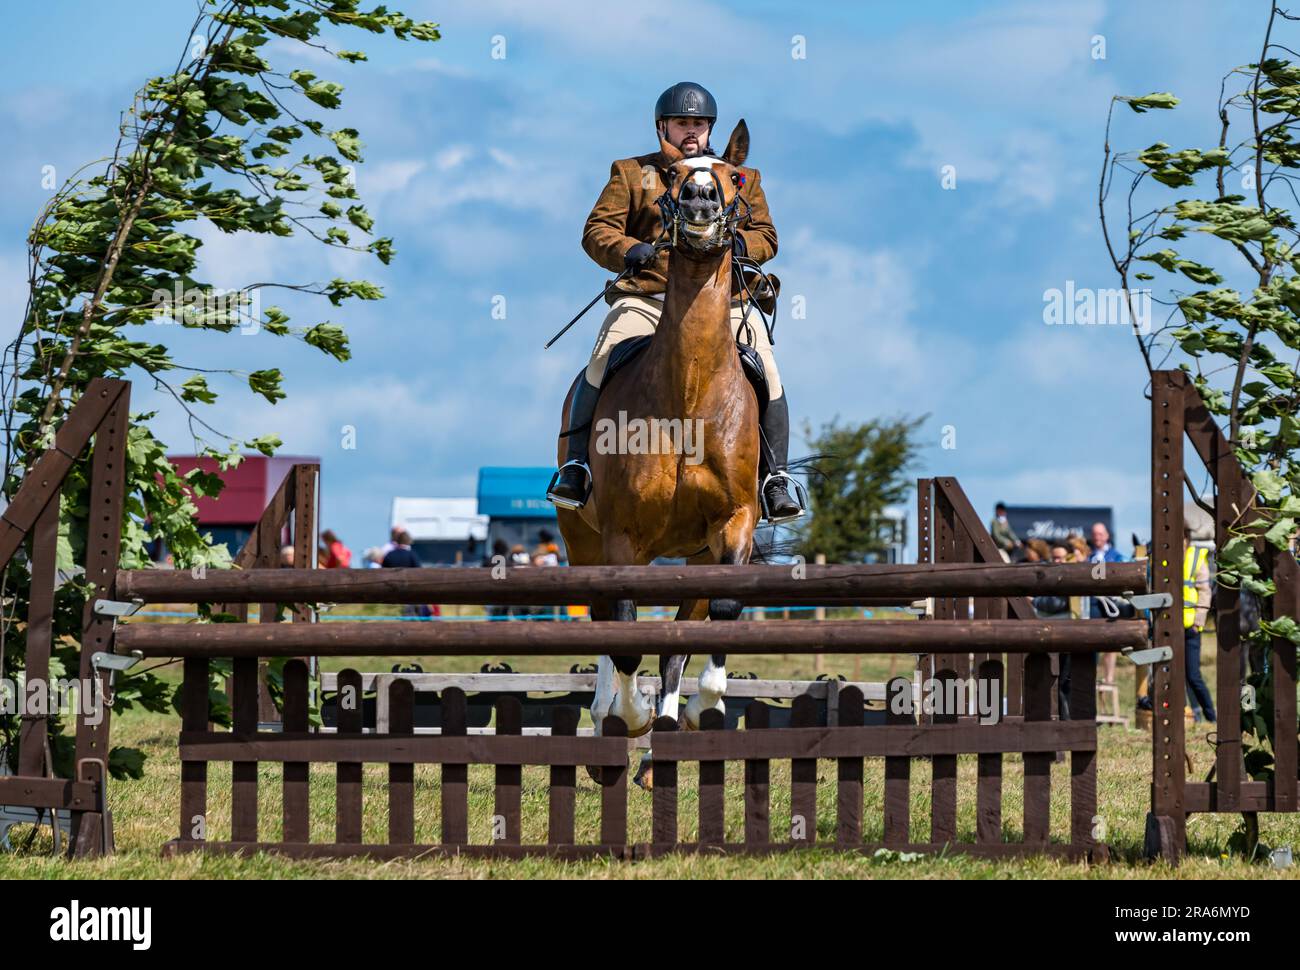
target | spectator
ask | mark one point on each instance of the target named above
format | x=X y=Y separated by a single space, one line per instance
x=499 y=549
x=547 y=553
x=401 y=556
x=519 y=559
x=394 y=534
x=374 y=557
x=1037 y=550
x=1196 y=608
x=500 y=554
x=1103 y=551
x=338 y=556
x=1079 y=548
x=1004 y=537
x=286 y=557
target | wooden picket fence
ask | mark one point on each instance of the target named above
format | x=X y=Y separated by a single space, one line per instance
x=901 y=742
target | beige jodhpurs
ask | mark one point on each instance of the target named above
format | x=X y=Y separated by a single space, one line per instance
x=637 y=316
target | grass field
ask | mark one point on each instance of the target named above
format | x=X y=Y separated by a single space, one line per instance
x=146 y=812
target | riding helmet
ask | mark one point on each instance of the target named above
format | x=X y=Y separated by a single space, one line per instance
x=686 y=99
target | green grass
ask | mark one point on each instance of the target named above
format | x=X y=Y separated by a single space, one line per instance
x=146 y=812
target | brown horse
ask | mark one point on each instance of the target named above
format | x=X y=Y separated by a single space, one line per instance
x=684 y=482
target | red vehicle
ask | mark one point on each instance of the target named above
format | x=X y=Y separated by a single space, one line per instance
x=231 y=516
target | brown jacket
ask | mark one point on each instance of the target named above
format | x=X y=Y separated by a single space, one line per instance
x=626 y=214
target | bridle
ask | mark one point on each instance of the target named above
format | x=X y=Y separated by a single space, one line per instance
x=727 y=219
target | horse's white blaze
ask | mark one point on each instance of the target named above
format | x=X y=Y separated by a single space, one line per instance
x=701 y=162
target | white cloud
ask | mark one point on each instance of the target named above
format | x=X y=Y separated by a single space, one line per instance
x=858 y=332
x=452 y=156
x=381 y=178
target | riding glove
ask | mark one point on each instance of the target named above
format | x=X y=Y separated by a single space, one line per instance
x=638 y=257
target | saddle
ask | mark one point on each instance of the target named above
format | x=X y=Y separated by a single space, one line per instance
x=625 y=351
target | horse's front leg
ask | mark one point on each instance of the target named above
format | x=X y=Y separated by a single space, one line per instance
x=713 y=679
x=732 y=545
x=673 y=668
x=629 y=703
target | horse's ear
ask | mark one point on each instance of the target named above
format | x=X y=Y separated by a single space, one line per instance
x=737 y=145
x=672 y=154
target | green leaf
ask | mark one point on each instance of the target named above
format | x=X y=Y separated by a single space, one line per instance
x=1282 y=530
x=195 y=390
x=1269 y=484
x=1284 y=627
x=360 y=218
x=266 y=444
x=267 y=384
x=348 y=142
x=329 y=338
x=1158 y=100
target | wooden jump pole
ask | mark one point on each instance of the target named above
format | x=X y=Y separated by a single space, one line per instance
x=756 y=585
x=382 y=638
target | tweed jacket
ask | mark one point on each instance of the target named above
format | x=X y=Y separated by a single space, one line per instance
x=626 y=214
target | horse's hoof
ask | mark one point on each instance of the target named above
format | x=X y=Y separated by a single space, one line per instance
x=645 y=774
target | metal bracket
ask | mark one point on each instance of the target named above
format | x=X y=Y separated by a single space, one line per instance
x=1152 y=655
x=1150 y=601
x=101 y=660
x=112 y=662
x=117 y=608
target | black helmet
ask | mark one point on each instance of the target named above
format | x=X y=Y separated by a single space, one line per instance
x=686 y=99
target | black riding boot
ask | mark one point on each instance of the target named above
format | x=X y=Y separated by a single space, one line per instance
x=778 y=504
x=571 y=486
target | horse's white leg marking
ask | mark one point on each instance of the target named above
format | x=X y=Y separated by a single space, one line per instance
x=604 y=694
x=671 y=690
x=713 y=685
x=630 y=704
x=669 y=703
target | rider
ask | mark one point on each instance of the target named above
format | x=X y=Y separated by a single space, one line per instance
x=619 y=232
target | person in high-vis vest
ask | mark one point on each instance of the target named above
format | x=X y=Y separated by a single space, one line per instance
x=1196 y=608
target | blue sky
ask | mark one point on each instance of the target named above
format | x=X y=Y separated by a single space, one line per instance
x=920 y=300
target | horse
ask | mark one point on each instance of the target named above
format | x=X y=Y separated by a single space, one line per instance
x=661 y=501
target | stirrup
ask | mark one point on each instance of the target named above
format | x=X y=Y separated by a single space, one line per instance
x=559 y=501
x=799 y=495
